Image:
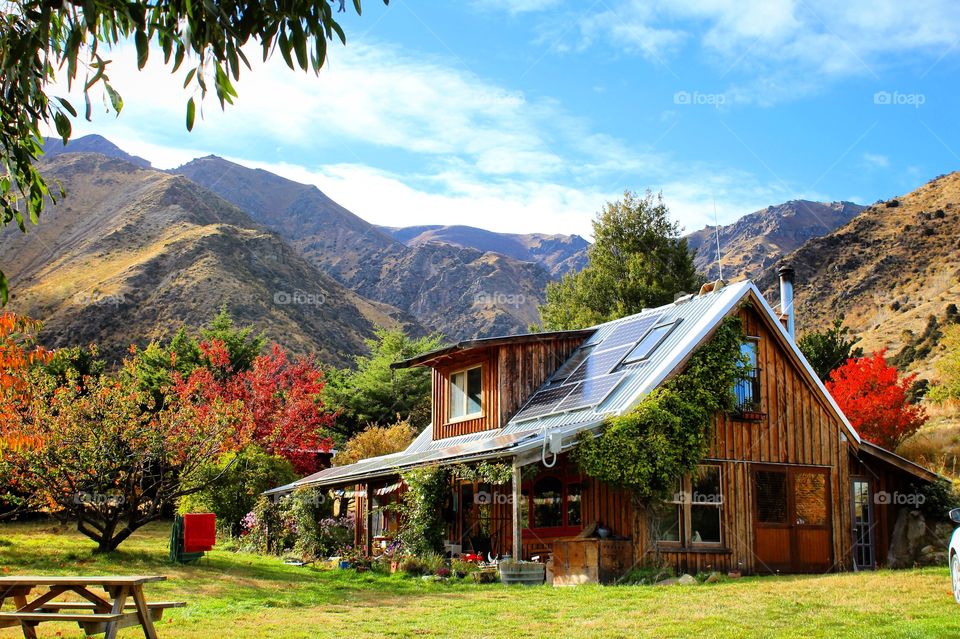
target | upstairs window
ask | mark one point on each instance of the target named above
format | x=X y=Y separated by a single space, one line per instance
x=466 y=392
x=747 y=389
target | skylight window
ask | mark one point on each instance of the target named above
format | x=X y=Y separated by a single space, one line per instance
x=645 y=348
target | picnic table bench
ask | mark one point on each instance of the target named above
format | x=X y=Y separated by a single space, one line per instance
x=95 y=614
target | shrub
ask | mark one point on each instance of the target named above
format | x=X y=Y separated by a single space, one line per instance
x=236 y=484
x=414 y=566
x=463 y=568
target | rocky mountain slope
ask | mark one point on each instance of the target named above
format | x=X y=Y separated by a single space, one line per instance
x=133 y=252
x=758 y=240
x=888 y=271
x=559 y=254
x=91 y=144
x=461 y=292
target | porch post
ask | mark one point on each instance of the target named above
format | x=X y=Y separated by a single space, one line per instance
x=517 y=550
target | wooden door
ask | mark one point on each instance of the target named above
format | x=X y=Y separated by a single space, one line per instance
x=791 y=519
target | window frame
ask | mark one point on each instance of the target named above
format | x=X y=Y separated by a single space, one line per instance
x=466 y=401
x=686 y=504
x=670 y=325
x=566 y=481
x=750 y=383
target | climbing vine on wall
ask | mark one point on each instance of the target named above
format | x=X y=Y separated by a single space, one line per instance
x=668 y=433
x=423 y=529
x=485 y=473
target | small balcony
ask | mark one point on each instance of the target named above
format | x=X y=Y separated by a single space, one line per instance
x=747 y=392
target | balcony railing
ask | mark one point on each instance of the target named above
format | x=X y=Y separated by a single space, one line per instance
x=747 y=391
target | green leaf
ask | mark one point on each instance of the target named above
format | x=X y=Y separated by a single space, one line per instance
x=356 y=5
x=143 y=48
x=4 y=290
x=115 y=100
x=87 y=107
x=190 y=74
x=191 y=113
x=69 y=107
x=62 y=123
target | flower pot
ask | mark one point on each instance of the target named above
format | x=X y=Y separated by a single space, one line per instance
x=394 y=566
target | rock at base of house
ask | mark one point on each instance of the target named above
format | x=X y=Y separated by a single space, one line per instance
x=916 y=542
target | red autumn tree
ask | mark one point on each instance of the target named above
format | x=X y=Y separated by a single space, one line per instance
x=281 y=395
x=875 y=399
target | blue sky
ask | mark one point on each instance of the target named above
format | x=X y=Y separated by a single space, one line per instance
x=526 y=115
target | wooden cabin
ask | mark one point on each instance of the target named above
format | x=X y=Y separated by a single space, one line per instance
x=788 y=486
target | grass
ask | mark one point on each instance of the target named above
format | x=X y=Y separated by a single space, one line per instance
x=235 y=596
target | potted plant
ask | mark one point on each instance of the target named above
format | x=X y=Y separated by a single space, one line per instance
x=750 y=411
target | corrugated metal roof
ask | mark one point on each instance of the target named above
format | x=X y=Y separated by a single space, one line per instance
x=698 y=316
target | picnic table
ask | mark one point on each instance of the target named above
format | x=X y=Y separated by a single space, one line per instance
x=123 y=605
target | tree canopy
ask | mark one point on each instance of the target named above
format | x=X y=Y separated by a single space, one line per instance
x=638 y=260
x=828 y=349
x=374 y=393
x=42 y=42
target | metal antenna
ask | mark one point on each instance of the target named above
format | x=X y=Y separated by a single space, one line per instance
x=716 y=221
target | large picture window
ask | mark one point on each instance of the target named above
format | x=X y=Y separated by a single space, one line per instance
x=693 y=514
x=552 y=503
x=466 y=393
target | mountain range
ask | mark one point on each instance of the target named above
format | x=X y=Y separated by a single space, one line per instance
x=135 y=251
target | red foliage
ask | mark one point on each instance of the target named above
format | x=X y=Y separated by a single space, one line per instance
x=874 y=398
x=281 y=396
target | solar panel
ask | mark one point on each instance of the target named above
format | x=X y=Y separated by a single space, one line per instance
x=543 y=401
x=569 y=366
x=590 y=392
x=630 y=331
x=599 y=364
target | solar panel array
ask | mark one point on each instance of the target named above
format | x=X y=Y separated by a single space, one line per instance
x=593 y=379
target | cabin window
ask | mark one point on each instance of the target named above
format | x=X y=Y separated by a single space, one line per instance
x=552 y=503
x=692 y=516
x=747 y=389
x=466 y=390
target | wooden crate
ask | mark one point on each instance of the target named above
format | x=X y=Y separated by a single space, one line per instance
x=590 y=561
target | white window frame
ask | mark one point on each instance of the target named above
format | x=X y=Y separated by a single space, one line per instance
x=450 y=386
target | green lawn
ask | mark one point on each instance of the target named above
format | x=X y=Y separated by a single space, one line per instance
x=237 y=595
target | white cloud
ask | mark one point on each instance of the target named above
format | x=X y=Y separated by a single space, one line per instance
x=402 y=141
x=876 y=160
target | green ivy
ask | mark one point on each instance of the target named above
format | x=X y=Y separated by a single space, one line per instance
x=423 y=529
x=668 y=433
x=484 y=473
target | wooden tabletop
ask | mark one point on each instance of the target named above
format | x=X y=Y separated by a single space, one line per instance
x=105 y=580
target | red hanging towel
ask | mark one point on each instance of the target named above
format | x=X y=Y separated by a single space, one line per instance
x=199 y=532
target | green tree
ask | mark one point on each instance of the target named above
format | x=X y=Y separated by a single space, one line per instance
x=375 y=441
x=374 y=393
x=638 y=260
x=234 y=482
x=828 y=349
x=948 y=367
x=43 y=41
